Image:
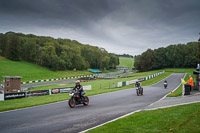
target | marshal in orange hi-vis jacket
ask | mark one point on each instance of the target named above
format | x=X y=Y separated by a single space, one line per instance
x=190 y=81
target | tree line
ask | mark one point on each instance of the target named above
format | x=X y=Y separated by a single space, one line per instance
x=56 y=54
x=125 y=55
x=173 y=56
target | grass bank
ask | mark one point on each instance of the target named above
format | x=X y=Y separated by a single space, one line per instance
x=126 y=62
x=180 y=119
x=30 y=72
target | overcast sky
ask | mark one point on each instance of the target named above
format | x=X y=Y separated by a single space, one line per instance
x=119 y=26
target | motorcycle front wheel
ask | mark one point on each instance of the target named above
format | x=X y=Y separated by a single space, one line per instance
x=86 y=101
x=72 y=103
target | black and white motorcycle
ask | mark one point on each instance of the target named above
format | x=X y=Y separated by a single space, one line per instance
x=165 y=84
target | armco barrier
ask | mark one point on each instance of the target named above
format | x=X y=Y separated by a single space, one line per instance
x=120 y=84
x=37 y=81
x=124 y=83
x=127 y=82
x=89 y=87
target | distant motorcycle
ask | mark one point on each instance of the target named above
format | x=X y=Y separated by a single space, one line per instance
x=165 y=84
x=139 y=90
x=76 y=99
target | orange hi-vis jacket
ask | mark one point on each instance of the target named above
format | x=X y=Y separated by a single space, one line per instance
x=190 y=81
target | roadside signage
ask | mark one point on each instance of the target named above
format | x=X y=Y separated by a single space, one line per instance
x=37 y=93
x=14 y=95
x=55 y=91
x=65 y=90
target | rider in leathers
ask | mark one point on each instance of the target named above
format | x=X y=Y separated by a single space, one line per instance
x=79 y=88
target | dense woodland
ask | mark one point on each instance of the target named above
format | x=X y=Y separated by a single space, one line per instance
x=173 y=56
x=56 y=54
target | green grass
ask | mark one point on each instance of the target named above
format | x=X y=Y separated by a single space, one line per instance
x=2 y=58
x=111 y=70
x=179 y=119
x=126 y=62
x=31 y=72
x=31 y=101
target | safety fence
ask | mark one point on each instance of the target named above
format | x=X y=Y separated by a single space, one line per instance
x=47 y=80
x=120 y=84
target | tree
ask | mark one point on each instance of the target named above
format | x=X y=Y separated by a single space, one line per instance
x=56 y=54
x=159 y=59
x=3 y=43
x=13 y=47
x=146 y=60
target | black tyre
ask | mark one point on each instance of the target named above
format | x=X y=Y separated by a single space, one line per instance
x=72 y=103
x=141 y=92
x=86 y=101
x=138 y=92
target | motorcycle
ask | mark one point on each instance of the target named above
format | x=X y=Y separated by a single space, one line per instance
x=76 y=99
x=165 y=85
x=139 y=91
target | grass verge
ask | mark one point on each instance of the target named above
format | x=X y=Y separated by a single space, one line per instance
x=126 y=62
x=179 y=119
x=31 y=72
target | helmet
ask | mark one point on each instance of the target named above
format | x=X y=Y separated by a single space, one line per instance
x=77 y=82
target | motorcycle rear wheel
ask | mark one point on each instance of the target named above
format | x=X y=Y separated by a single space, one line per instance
x=141 y=92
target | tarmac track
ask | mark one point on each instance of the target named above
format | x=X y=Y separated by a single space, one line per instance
x=59 y=117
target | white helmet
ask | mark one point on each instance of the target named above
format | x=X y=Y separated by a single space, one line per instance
x=77 y=81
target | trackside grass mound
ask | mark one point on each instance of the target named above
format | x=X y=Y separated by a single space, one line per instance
x=179 y=119
x=30 y=72
x=126 y=62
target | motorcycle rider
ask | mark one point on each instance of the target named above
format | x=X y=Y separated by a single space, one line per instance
x=165 y=83
x=139 y=89
x=138 y=84
x=79 y=88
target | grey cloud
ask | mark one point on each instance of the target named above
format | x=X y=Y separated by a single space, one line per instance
x=129 y=26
